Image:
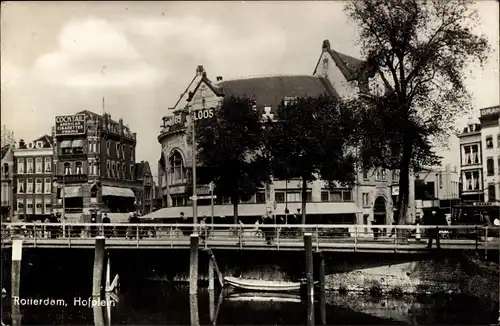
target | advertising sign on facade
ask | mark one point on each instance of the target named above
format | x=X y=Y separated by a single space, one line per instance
x=70 y=124
x=175 y=122
x=395 y=190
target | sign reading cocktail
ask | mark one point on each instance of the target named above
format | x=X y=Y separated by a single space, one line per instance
x=70 y=124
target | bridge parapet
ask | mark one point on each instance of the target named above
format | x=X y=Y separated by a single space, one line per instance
x=338 y=237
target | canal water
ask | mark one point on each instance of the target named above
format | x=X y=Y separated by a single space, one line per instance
x=161 y=303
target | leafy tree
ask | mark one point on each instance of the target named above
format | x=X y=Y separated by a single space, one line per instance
x=310 y=139
x=229 y=145
x=420 y=50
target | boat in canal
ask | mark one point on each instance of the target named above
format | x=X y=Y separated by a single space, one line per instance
x=262 y=285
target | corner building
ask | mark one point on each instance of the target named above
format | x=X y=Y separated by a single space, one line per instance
x=371 y=199
x=94 y=162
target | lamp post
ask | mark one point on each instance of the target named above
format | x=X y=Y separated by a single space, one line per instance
x=194 y=198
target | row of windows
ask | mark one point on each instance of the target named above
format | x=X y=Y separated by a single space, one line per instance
x=39 y=187
x=381 y=175
x=34 y=166
x=490 y=166
x=472 y=180
x=117 y=170
x=40 y=206
x=119 y=150
x=471 y=155
x=489 y=141
x=68 y=168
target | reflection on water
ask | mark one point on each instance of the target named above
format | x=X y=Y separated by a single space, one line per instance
x=156 y=303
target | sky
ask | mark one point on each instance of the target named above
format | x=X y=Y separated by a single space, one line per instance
x=63 y=57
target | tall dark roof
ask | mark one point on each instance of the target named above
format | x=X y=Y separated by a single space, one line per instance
x=271 y=91
x=5 y=150
x=141 y=169
x=350 y=67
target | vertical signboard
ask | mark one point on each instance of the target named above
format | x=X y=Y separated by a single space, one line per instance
x=70 y=124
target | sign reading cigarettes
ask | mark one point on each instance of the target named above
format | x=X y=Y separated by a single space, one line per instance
x=70 y=124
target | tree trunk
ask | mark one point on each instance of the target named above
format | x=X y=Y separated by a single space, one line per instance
x=404 y=191
x=304 y=200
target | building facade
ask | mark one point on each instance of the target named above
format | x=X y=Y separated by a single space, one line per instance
x=33 y=178
x=437 y=189
x=372 y=199
x=480 y=158
x=146 y=193
x=94 y=167
x=490 y=139
x=7 y=178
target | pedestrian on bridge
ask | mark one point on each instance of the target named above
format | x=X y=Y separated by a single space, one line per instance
x=107 y=229
x=432 y=233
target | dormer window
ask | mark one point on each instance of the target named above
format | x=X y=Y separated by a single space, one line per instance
x=39 y=144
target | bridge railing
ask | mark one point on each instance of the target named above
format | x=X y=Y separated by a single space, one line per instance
x=276 y=235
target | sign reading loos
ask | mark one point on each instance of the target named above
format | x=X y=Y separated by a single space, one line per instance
x=70 y=124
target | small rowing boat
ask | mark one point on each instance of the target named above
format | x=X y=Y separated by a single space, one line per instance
x=262 y=285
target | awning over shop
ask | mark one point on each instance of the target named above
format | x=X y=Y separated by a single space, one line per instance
x=77 y=143
x=66 y=144
x=72 y=191
x=117 y=192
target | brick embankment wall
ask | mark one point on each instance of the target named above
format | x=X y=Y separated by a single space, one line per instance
x=446 y=274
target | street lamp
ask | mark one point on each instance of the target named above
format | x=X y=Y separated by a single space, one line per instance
x=194 y=198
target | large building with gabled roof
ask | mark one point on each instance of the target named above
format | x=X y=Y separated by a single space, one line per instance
x=373 y=198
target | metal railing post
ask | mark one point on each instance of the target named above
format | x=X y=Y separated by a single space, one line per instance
x=206 y=237
x=278 y=240
x=171 y=231
x=137 y=234
x=355 y=238
x=34 y=236
x=317 y=238
x=396 y=238
x=477 y=240
x=486 y=242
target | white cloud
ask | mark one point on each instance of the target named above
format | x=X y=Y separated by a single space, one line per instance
x=94 y=53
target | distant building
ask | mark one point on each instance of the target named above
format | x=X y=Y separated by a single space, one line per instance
x=145 y=194
x=490 y=139
x=479 y=153
x=7 y=177
x=95 y=167
x=373 y=199
x=437 y=188
x=33 y=176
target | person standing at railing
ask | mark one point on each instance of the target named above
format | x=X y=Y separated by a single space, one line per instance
x=375 y=230
x=432 y=233
x=108 y=231
x=93 y=229
x=46 y=230
x=393 y=229
x=241 y=230
x=203 y=229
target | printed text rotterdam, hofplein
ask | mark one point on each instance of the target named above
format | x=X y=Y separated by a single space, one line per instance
x=77 y=301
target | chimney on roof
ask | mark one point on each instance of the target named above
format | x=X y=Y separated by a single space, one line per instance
x=326 y=45
x=219 y=78
x=199 y=70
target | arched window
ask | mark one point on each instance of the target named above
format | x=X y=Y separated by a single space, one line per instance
x=177 y=170
x=93 y=192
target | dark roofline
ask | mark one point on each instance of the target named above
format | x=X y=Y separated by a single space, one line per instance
x=218 y=91
x=183 y=93
x=348 y=73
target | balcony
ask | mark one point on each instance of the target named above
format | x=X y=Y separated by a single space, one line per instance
x=68 y=178
x=73 y=157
